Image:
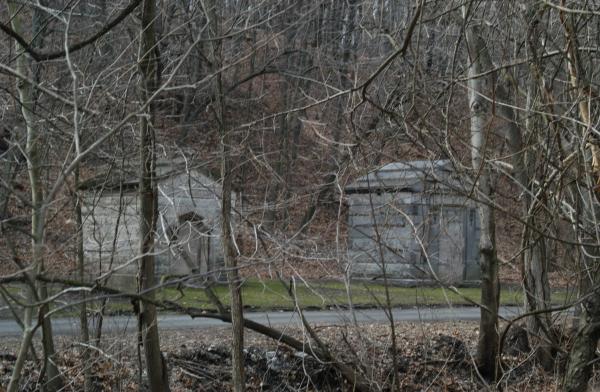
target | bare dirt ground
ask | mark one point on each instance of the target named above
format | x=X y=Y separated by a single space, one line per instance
x=430 y=356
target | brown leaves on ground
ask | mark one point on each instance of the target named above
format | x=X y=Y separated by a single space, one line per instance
x=429 y=356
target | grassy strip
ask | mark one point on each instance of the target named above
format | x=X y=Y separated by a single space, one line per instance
x=263 y=295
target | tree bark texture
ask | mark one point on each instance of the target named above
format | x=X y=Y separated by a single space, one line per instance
x=148 y=67
x=583 y=353
x=535 y=257
x=83 y=318
x=36 y=292
x=229 y=252
x=487 y=345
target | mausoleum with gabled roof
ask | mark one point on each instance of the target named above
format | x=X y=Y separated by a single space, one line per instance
x=188 y=237
x=414 y=222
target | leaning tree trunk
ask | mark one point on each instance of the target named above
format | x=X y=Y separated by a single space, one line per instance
x=148 y=66
x=535 y=261
x=583 y=353
x=535 y=277
x=536 y=285
x=36 y=292
x=487 y=346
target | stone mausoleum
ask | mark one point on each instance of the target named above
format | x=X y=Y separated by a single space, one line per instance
x=188 y=238
x=414 y=221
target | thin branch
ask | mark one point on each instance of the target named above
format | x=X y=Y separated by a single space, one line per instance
x=51 y=93
x=41 y=56
x=571 y=10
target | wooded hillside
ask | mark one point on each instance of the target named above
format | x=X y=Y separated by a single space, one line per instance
x=283 y=104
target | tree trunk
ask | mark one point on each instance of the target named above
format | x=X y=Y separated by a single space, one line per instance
x=148 y=66
x=36 y=292
x=83 y=318
x=229 y=253
x=487 y=346
x=535 y=277
x=583 y=352
x=233 y=278
x=537 y=296
x=535 y=258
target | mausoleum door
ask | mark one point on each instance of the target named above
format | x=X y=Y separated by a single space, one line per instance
x=203 y=253
x=190 y=245
x=451 y=253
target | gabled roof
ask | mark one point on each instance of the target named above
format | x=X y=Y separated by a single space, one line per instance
x=113 y=177
x=398 y=176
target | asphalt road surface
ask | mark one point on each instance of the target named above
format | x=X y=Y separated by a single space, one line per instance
x=121 y=324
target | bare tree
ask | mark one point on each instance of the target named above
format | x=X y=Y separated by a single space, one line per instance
x=487 y=347
x=584 y=346
x=292 y=100
x=149 y=80
x=36 y=291
x=214 y=22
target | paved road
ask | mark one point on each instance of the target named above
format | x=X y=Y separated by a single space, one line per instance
x=116 y=324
